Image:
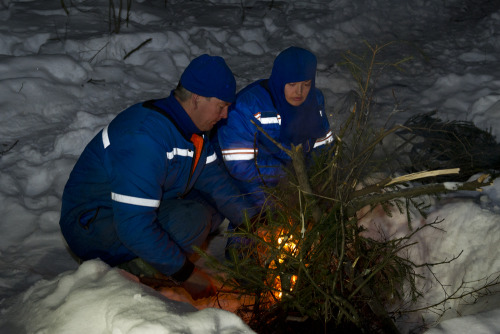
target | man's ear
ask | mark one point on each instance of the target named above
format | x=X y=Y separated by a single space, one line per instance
x=194 y=99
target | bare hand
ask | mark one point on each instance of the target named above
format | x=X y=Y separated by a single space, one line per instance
x=199 y=285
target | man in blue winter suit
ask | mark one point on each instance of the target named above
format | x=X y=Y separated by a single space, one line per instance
x=149 y=185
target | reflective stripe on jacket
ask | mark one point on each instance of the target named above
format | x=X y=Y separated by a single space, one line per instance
x=135 y=162
x=251 y=158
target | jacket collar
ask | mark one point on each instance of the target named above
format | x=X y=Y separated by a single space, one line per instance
x=171 y=108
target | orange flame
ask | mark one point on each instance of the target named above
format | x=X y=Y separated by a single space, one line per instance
x=288 y=247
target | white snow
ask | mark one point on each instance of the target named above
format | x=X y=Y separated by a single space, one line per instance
x=64 y=77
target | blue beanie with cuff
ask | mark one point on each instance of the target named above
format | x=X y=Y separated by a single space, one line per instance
x=209 y=76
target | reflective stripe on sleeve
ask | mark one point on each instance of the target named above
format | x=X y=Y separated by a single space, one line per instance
x=325 y=140
x=153 y=203
x=238 y=154
x=105 y=137
x=268 y=120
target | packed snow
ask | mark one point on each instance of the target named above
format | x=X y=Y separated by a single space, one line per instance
x=64 y=76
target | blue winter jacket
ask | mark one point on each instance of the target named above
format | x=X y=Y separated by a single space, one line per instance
x=251 y=158
x=138 y=160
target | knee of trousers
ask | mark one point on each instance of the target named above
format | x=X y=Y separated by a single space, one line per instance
x=188 y=223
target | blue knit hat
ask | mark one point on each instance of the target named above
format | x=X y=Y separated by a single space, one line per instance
x=209 y=76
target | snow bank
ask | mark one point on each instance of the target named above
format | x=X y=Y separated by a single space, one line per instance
x=96 y=298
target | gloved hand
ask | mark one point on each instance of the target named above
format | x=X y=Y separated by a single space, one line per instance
x=238 y=243
x=235 y=246
x=199 y=285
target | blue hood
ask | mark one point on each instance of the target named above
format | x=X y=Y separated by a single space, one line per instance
x=303 y=123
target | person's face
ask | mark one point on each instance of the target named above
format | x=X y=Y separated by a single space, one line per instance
x=208 y=111
x=296 y=92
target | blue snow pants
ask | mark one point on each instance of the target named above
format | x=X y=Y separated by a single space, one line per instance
x=187 y=221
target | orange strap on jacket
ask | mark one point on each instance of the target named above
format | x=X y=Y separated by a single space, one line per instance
x=197 y=140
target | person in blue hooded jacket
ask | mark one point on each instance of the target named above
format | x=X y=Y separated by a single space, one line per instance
x=149 y=185
x=289 y=108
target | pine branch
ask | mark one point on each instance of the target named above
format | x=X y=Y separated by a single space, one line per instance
x=456 y=294
x=297 y=155
x=339 y=274
x=379 y=186
x=421 y=175
x=431 y=189
x=281 y=147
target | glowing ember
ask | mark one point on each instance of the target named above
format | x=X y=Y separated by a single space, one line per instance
x=284 y=282
x=287 y=245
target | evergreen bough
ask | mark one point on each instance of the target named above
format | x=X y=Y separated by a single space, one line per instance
x=309 y=261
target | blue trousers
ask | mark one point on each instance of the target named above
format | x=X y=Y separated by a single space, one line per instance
x=188 y=223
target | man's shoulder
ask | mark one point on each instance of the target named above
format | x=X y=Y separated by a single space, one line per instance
x=139 y=124
x=254 y=89
x=254 y=99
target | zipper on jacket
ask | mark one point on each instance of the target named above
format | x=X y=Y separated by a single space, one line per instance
x=194 y=163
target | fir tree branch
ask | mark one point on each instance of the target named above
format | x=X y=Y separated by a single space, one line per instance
x=281 y=147
x=421 y=175
x=299 y=165
x=481 y=291
x=379 y=186
x=340 y=302
x=431 y=189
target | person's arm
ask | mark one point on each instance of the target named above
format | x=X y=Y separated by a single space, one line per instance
x=239 y=143
x=137 y=171
x=327 y=136
x=136 y=187
x=199 y=285
x=216 y=182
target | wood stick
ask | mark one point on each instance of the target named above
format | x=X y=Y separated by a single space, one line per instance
x=421 y=175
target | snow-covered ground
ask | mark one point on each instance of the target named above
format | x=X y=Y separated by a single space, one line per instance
x=63 y=77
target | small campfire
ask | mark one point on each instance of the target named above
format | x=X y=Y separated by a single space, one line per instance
x=285 y=281
x=281 y=281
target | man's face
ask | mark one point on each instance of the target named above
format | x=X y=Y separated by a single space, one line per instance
x=296 y=92
x=208 y=111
